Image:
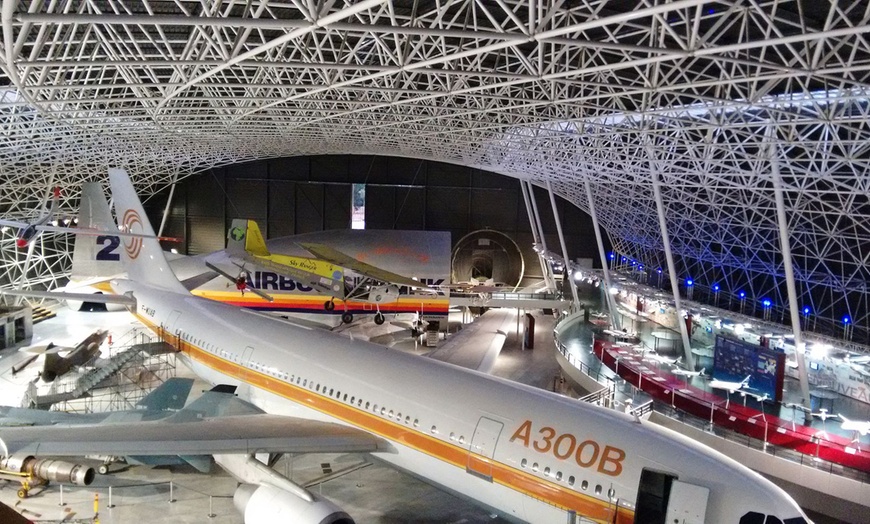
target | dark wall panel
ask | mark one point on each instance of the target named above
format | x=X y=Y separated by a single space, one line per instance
x=246 y=198
x=282 y=209
x=337 y=200
x=380 y=210
x=410 y=208
x=447 y=208
x=302 y=194
x=309 y=208
x=493 y=208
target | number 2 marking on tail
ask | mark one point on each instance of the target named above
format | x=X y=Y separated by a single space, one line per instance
x=110 y=244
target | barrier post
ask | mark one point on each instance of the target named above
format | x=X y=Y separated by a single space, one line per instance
x=211 y=513
x=61 y=503
x=171 y=497
x=96 y=504
x=110 y=505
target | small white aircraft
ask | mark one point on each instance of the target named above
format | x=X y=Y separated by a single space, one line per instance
x=687 y=373
x=663 y=360
x=859 y=427
x=731 y=387
x=27 y=232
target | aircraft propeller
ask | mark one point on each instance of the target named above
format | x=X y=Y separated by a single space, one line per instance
x=240 y=280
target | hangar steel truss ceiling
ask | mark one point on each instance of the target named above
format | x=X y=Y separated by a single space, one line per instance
x=701 y=94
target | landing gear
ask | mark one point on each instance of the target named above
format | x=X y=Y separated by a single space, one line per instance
x=347 y=318
x=22 y=493
x=379 y=318
x=329 y=305
x=103 y=469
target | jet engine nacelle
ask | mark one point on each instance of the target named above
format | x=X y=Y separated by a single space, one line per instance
x=265 y=504
x=51 y=470
x=383 y=294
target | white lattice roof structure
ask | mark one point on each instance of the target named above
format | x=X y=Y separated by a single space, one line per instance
x=701 y=94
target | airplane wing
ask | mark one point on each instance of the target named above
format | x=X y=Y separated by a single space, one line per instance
x=340 y=259
x=217 y=422
x=175 y=435
x=100 y=232
x=82 y=297
x=488 y=333
x=13 y=223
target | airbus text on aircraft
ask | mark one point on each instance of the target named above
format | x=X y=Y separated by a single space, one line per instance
x=523 y=453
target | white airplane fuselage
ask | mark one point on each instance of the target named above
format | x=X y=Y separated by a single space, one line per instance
x=524 y=453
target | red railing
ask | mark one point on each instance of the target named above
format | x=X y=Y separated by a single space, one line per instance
x=730 y=414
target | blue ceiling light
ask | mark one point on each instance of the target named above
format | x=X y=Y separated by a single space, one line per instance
x=807 y=310
x=690 y=282
x=716 y=288
x=659 y=271
x=742 y=294
x=766 y=302
x=846 y=319
x=611 y=255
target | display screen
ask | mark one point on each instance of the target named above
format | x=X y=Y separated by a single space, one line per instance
x=736 y=359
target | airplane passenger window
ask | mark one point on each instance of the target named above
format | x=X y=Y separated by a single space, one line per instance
x=408 y=420
x=611 y=493
x=398 y=416
x=367 y=405
x=571 y=480
x=461 y=439
x=330 y=391
x=305 y=383
x=416 y=423
x=359 y=403
x=524 y=462
x=383 y=410
x=584 y=485
x=374 y=408
x=452 y=436
x=558 y=475
x=547 y=471
x=390 y=414
x=317 y=389
x=434 y=430
x=534 y=466
x=345 y=398
x=598 y=489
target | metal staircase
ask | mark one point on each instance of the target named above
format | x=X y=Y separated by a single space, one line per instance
x=108 y=374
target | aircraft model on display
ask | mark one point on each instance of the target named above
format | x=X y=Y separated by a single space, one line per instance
x=83 y=354
x=731 y=387
x=520 y=452
x=686 y=373
x=661 y=359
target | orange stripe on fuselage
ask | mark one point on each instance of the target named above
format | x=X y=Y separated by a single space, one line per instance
x=515 y=479
x=315 y=303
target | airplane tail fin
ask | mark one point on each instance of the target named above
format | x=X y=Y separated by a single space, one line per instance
x=745 y=381
x=141 y=257
x=172 y=394
x=95 y=256
x=244 y=237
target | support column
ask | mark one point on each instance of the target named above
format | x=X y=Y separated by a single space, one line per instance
x=168 y=204
x=550 y=279
x=785 y=246
x=567 y=270
x=672 y=270
x=544 y=270
x=614 y=316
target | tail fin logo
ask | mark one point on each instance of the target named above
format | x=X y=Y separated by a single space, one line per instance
x=132 y=245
